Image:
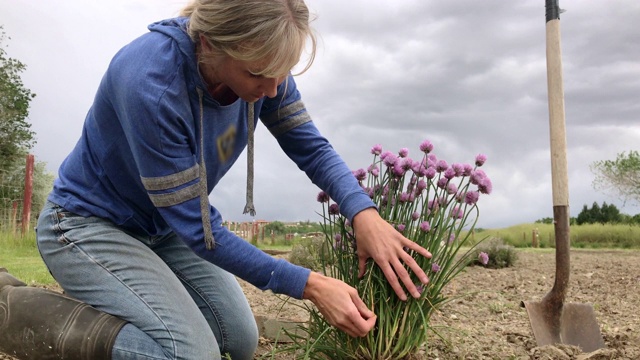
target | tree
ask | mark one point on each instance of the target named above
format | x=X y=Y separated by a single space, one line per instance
x=16 y=136
x=609 y=214
x=622 y=175
x=277 y=227
x=605 y=214
x=584 y=217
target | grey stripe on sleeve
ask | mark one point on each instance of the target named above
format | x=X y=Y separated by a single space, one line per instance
x=282 y=113
x=289 y=124
x=171 y=181
x=176 y=197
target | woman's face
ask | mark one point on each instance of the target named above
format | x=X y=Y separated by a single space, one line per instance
x=239 y=77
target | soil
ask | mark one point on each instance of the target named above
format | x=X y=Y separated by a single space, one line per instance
x=488 y=322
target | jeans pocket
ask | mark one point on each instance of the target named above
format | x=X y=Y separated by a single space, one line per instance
x=64 y=222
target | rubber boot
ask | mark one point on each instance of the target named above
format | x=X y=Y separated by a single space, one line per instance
x=42 y=324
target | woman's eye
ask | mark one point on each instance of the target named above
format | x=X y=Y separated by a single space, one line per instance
x=255 y=75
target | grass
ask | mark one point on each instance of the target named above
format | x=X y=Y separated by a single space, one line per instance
x=20 y=256
x=592 y=236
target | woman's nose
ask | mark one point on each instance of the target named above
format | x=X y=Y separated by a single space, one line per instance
x=270 y=87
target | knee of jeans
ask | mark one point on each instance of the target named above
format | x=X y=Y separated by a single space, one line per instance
x=242 y=341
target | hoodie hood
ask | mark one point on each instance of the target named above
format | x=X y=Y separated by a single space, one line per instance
x=176 y=29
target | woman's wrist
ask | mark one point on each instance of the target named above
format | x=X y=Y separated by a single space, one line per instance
x=313 y=283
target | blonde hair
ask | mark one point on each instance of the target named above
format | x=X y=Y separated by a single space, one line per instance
x=274 y=31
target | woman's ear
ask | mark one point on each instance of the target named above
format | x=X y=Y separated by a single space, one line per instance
x=204 y=43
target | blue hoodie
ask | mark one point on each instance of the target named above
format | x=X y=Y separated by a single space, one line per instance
x=155 y=143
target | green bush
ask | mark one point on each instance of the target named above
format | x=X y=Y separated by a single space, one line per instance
x=500 y=254
x=306 y=253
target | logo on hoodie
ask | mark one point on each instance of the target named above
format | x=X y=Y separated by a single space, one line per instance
x=225 y=143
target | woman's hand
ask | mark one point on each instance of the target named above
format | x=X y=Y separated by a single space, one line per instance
x=377 y=239
x=340 y=304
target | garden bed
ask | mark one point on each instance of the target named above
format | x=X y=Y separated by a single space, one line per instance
x=487 y=322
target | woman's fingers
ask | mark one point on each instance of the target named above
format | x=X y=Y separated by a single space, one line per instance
x=340 y=304
x=417 y=270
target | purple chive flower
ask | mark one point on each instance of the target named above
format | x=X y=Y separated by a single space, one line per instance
x=457 y=213
x=390 y=159
x=373 y=170
x=403 y=152
x=441 y=166
x=334 y=209
x=485 y=186
x=458 y=169
x=415 y=167
x=449 y=173
x=360 y=174
x=471 y=197
x=483 y=257
x=467 y=169
x=452 y=188
x=421 y=185
x=406 y=163
x=435 y=267
x=415 y=216
x=347 y=223
x=401 y=227
x=420 y=288
x=398 y=169
x=432 y=204
x=421 y=170
x=430 y=173
x=480 y=159
x=442 y=183
x=426 y=146
x=404 y=197
x=425 y=226
x=376 y=149
x=476 y=176
x=337 y=237
x=323 y=197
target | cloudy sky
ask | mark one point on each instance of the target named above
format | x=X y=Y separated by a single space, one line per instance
x=468 y=75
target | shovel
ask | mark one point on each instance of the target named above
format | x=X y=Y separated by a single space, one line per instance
x=553 y=321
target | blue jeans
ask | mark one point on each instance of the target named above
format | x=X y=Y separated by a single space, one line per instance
x=178 y=305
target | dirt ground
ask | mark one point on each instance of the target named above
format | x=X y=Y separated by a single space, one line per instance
x=488 y=321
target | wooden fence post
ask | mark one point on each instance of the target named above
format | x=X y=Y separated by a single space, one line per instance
x=28 y=193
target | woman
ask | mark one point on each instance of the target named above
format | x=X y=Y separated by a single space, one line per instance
x=128 y=227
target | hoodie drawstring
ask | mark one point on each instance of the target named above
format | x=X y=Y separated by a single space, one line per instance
x=204 y=192
x=249 y=207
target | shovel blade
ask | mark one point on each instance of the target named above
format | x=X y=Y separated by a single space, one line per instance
x=575 y=324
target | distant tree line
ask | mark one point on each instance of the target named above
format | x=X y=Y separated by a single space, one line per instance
x=599 y=214
x=303 y=227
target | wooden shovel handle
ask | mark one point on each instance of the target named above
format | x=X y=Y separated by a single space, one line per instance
x=559 y=178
